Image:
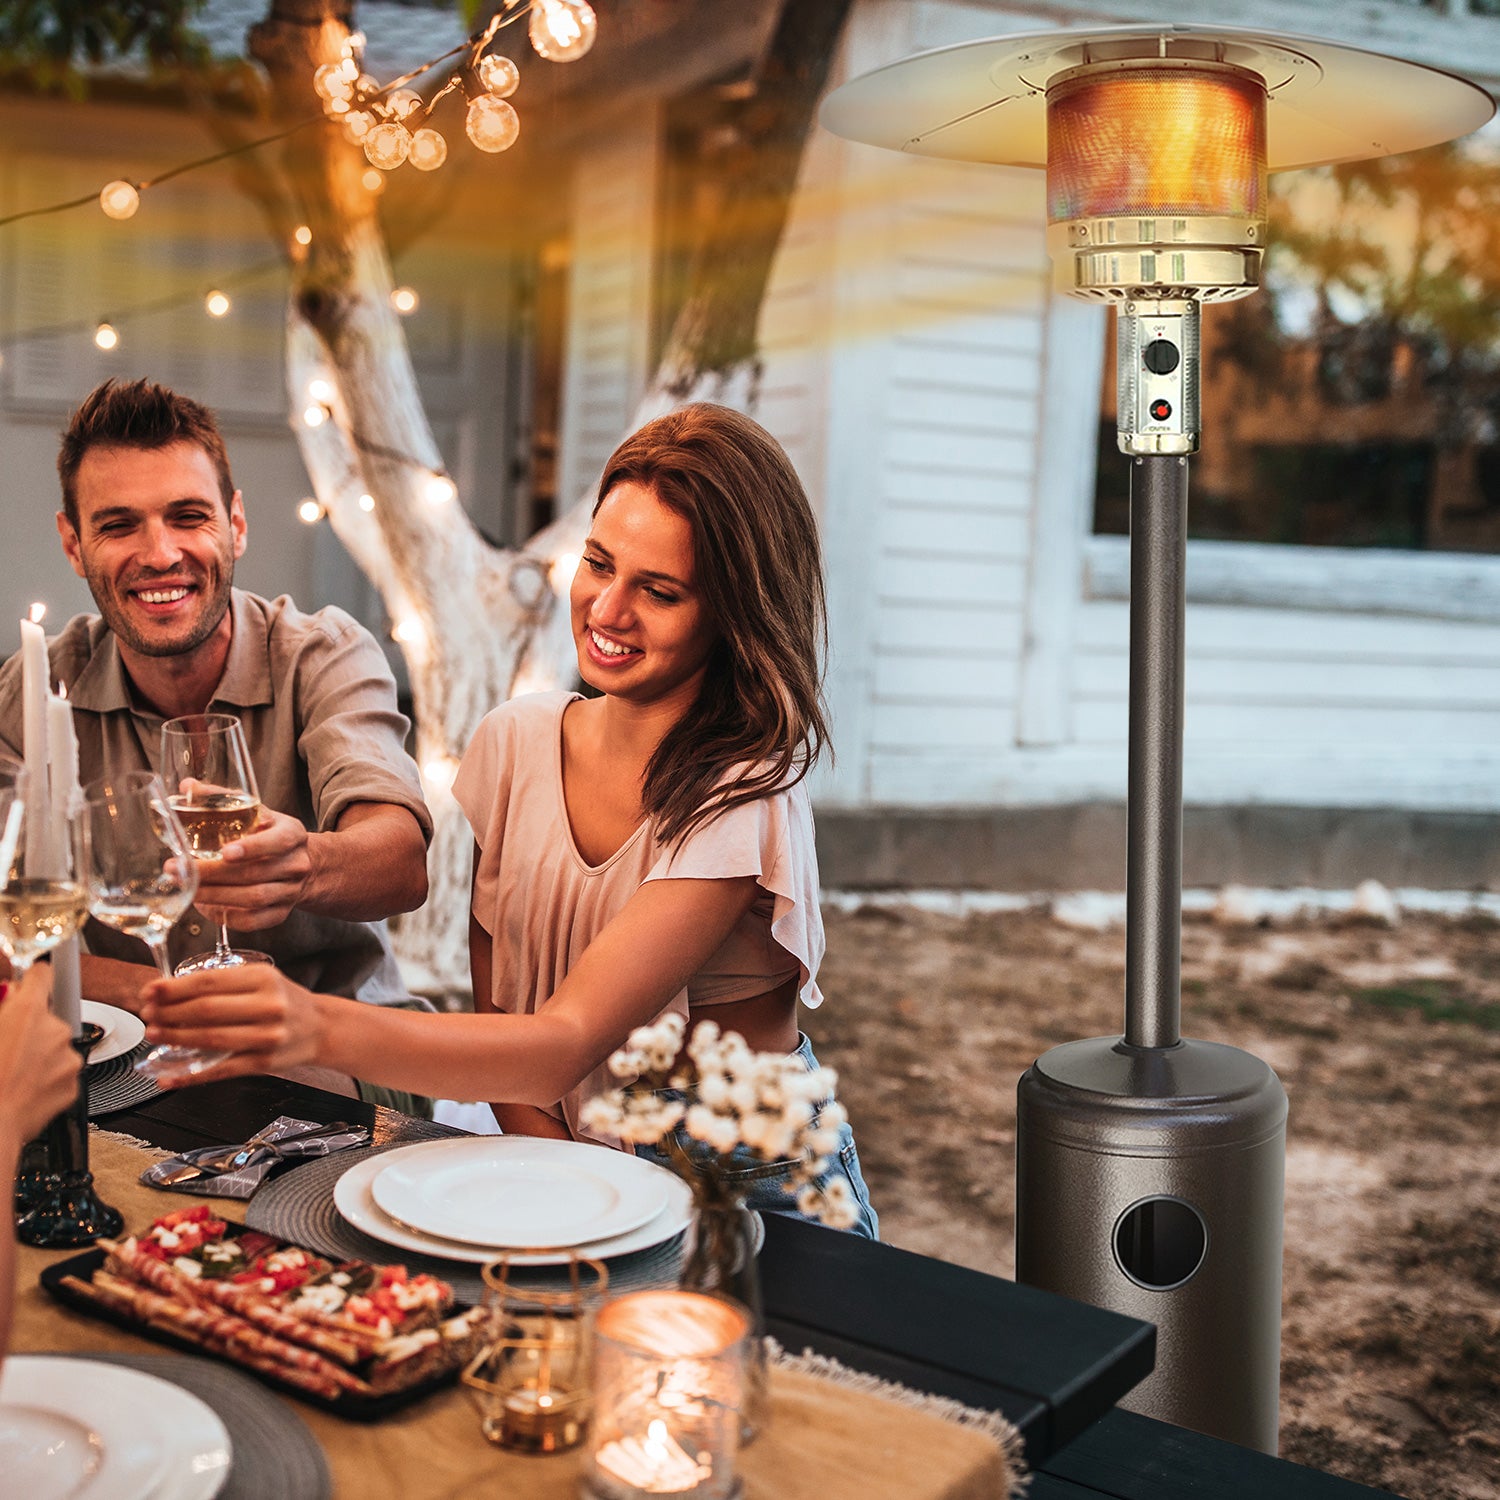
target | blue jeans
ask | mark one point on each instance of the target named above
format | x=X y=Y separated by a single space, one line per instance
x=765 y=1183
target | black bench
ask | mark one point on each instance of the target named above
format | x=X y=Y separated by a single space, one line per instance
x=1125 y=1456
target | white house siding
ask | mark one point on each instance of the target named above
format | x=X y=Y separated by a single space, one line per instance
x=609 y=295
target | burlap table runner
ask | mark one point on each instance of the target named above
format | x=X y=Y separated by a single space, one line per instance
x=825 y=1440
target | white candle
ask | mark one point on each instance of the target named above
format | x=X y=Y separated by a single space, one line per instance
x=36 y=683
x=62 y=744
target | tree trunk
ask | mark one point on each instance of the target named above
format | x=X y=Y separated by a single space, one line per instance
x=476 y=622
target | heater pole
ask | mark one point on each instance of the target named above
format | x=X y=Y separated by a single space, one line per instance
x=1153 y=900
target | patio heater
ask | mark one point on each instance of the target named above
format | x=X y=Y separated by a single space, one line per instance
x=1149 y=1167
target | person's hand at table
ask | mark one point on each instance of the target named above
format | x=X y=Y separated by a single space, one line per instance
x=254 y=1012
x=38 y=1066
x=372 y=864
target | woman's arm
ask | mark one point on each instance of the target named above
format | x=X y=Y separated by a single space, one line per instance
x=662 y=936
x=513 y=1119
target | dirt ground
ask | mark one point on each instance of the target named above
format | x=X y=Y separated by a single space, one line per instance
x=1388 y=1042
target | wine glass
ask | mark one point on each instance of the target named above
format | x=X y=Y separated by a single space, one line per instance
x=140 y=879
x=42 y=899
x=210 y=783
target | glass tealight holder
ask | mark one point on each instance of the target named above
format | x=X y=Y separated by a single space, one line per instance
x=669 y=1378
x=531 y=1381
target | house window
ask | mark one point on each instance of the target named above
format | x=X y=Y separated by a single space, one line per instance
x=1354 y=401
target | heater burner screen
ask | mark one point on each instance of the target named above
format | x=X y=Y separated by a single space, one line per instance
x=1156 y=142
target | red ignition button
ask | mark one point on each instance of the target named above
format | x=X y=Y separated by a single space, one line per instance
x=1161 y=410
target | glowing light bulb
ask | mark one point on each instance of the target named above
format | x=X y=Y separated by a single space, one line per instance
x=439 y=489
x=302 y=234
x=403 y=102
x=367 y=503
x=387 y=146
x=499 y=75
x=119 y=199
x=358 y=123
x=438 y=772
x=409 y=631
x=314 y=416
x=310 y=512
x=492 y=124
x=374 y=182
x=562 y=30
x=216 y=304
x=560 y=574
x=105 y=336
x=366 y=86
x=331 y=82
x=428 y=150
x=405 y=300
x=320 y=390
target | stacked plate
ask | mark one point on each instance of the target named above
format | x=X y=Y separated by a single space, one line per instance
x=86 y=1430
x=465 y=1199
x=122 y=1031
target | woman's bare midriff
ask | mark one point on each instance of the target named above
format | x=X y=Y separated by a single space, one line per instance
x=767 y=1022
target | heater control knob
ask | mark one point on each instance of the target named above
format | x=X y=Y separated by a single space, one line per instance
x=1160 y=356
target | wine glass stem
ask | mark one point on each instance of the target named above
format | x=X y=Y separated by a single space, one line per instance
x=158 y=949
x=221 y=948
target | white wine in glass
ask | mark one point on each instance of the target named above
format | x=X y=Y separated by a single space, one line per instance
x=42 y=898
x=205 y=766
x=140 y=879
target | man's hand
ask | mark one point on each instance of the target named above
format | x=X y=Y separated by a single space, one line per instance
x=261 y=878
x=38 y=1066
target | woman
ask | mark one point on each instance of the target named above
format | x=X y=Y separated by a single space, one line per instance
x=650 y=848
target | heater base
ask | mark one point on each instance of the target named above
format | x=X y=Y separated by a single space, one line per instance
x=1149 y=1181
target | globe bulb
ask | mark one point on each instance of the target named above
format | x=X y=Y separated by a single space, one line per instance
x=302 y=234
x=562 y=30
x=405 y=300
x=440 y=489
x=367 y=503
x=119 y=199
x=499 y=75
x=492 y=124
x=358 y=123
x=320 y=390
x=374 y=182
x=309 y=512
x=387 y=146
x=216 y=304
x=105 y=336
x=428 y=150
x=402 y=102
x=331 y=82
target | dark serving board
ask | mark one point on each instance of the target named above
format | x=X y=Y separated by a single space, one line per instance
x=349 y=1404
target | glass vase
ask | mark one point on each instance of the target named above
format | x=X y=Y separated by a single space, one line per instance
x=721 y=1261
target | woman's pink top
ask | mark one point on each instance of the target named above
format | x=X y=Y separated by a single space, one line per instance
x=543 y=904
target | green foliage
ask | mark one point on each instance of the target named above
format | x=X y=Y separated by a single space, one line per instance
x=1433 y=1000
x=54 y=42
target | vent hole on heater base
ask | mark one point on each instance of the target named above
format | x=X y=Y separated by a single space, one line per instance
x=1160 y=1242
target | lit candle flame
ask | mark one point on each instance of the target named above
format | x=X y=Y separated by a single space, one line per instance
x=38 y=613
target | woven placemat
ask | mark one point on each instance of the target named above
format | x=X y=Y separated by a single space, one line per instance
x=298 y=1206
x=116 y=1085
x=275 y=1456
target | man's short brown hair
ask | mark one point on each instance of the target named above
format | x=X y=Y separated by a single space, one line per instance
x=137 y=414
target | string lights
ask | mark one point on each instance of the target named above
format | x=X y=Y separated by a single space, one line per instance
x=385 y=119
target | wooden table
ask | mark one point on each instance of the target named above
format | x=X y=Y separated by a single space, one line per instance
x=1052 y=1366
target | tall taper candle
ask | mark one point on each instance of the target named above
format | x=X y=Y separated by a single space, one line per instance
x=36 y=685
x=62 y=744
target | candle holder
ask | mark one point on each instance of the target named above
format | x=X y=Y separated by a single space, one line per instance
x=669 y=1382
x=65 y=1211
x=31 y=1174
x=531 y=1381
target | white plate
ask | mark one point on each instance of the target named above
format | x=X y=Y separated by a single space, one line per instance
x=352 y=1198
x=153 y=1438
x=122 y=1031
x=518 y=1191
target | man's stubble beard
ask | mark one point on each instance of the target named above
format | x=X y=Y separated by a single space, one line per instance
x=112 y=607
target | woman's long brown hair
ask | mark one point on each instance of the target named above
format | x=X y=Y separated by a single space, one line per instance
x=758 y=722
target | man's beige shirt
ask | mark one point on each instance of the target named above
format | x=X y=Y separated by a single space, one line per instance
x=318 y=705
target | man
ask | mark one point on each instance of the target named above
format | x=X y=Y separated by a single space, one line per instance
x=152 y=521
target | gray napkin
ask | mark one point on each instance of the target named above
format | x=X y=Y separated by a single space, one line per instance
x=242 y=1182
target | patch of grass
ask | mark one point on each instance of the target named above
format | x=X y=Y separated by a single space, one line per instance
x=1434 y=1001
